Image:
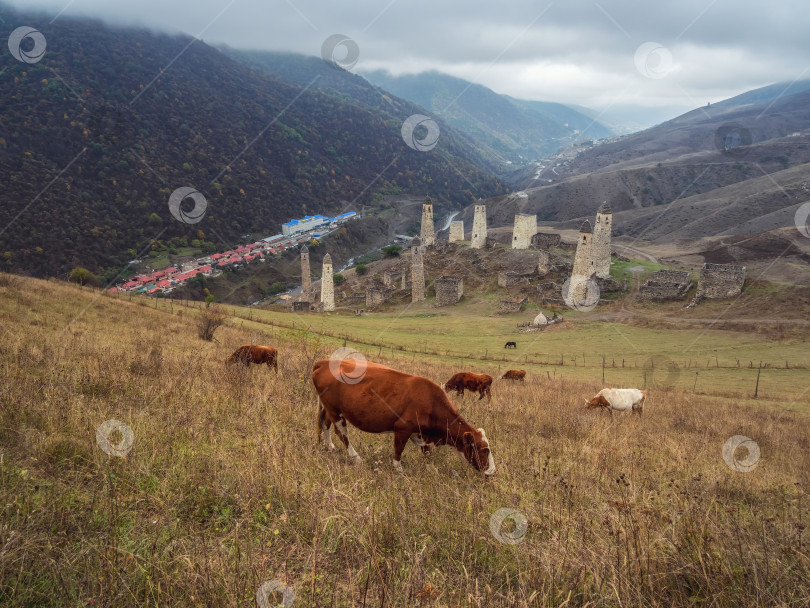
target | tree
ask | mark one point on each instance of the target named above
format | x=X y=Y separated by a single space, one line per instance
x=361 y=269
x=392 y=251
x=338 y=278
x=82 y=276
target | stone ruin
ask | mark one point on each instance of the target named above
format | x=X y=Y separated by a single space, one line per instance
x=456 y=232
x=545 y=241
x=356 y=298
x=449 y=290
x=377 y=293
x=301 y=306
x=666 y=285
x=390 y=278
x=525 y=228
x=506 y=307
x=718 y=281
x=508 y=278
x=543 y=263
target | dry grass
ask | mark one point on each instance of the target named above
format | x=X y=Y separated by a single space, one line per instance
x=225 y=487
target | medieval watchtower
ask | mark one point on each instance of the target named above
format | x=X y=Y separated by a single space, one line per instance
x=327 y=285
x=479 y=230
x=417 y=272
x=306 y=280
x=427 y=235
x=600 y=243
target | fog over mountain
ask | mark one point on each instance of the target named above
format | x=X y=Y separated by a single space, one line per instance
x=598 y=55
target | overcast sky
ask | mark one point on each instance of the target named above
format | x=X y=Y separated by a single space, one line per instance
x=596 y=54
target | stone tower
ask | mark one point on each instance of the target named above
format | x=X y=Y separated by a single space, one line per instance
x=600 y=244
x=579 y=283
x=525 y=228
x=479 y=230
x=428 y=236
x=306 y=280
x=327 y=285
x=417 y=272
x=456 y=232
x=583 y=261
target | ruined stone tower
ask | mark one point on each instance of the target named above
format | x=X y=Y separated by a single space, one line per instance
x=456 y=232
x=583 y=261
x=417 y=271
x=600 y=243
x=428 y=236
x=479 y=230
x=306 y=280
x=525 y=228
x=580 y=285
x=327 y=285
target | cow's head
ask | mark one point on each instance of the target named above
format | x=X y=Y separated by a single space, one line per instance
x=475 y=446
x=598 y=401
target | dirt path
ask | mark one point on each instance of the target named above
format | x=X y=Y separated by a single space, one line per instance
x=643 y=254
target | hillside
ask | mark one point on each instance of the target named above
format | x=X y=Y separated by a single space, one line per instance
x=218 y=484
x=517 y=130
x=99 y=133
x=672 y=184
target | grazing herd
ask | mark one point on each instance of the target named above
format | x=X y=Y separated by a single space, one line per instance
x=380 y=399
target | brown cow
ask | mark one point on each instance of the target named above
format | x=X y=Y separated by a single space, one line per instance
x=384 y=400
x=248 y=354
x=476 y=383
x=515 y=374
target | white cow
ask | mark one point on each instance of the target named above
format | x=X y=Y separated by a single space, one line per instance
x=619 y=399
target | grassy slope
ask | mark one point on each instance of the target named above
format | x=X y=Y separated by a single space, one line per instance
x=225 y=487
x=469 y=337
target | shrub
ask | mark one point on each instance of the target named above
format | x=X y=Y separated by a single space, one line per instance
x=392 y=251
x=338 y=278
x=361 y=269
x=210 y=320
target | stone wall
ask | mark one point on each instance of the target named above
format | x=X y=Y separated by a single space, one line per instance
x=545 y=241
x=449 y=290
x=721 y=281
x=525 y=228
x=509 y=306
x=478 y=240
x=356 y=298
x=665 y=285
x=456 y=232
x=508 y=278
x=301 y=306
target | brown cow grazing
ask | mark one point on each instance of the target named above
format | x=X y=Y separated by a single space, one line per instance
x=248 y=354
x=515 y=374
x=476 y=383
x=385 y=400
